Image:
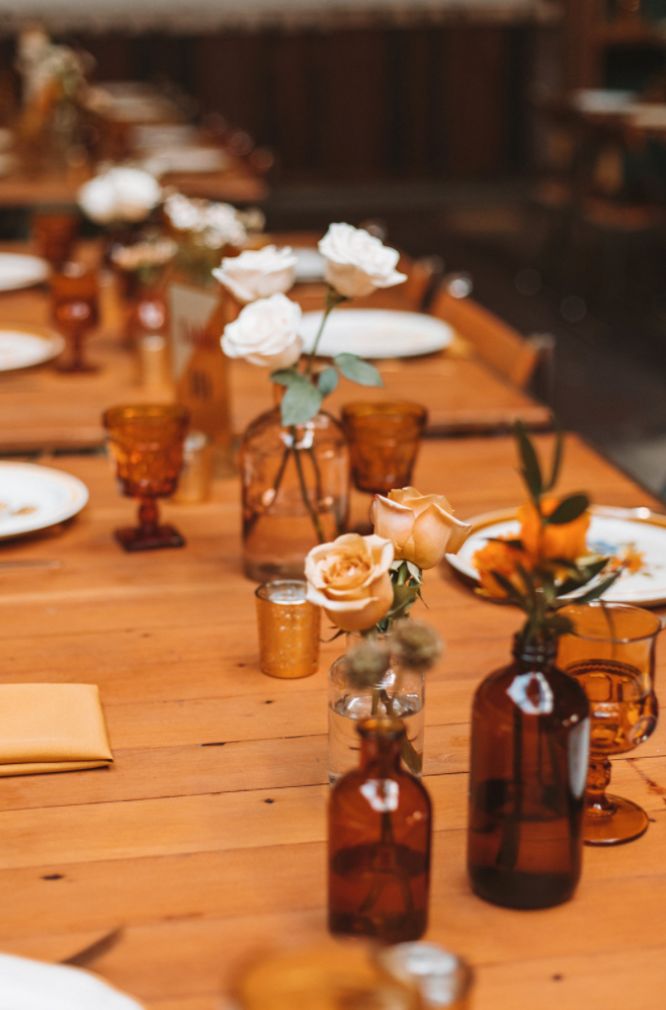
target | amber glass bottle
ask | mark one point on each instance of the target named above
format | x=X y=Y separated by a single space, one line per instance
x=529 y=756
x=379 y=842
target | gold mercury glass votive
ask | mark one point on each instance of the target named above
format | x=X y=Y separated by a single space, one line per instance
x=288 y=629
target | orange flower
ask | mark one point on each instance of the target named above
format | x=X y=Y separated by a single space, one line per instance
x=499 y=556
x=567 y=541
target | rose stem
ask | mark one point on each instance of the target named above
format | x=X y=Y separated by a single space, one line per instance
x=304 y=491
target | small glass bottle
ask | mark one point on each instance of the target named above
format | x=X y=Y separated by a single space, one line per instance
x=379 y=842
x=529 y=757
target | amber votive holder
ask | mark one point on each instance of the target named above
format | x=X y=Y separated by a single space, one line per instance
x=54 y=235
x=288 y=629
x=383 y=441
x=146 y=443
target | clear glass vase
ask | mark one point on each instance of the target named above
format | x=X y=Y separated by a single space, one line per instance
x=295 y=492
x=399 y=694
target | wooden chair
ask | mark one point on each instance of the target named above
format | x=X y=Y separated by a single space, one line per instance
x=523 y=361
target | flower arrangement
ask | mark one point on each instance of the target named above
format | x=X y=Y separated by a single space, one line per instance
x=266 y=333
x=366 y=583
x=549 y=558
x=356 y=263
x=120 y=196
x=146 y=258
x=205 y=229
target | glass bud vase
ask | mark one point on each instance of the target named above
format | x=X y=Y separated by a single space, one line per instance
x=399 y=694
x=295 y=492
x=529 y=758
x=379 y=832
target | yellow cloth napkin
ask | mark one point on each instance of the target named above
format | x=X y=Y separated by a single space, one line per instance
x=51 y=728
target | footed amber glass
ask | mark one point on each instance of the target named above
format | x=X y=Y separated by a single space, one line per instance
x=146 y=442
x=75 y=311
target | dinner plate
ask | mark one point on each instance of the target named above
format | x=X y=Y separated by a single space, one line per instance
x=24 y=348
x=35 y=497
x=186 y=159
x=34 y=985
x=20 y=271
x=376 y=333
x=613 y=531
x=309 y=265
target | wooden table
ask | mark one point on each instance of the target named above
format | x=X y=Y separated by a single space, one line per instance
x=206 y=838
x=40 y=408
x=236 y=184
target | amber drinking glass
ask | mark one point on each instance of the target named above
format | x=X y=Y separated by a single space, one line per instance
x=54 y=234
x=146 y=443
x=383 y=443
x=74 y=309
x=288 y=629
x=379 y=833
x=611 y=653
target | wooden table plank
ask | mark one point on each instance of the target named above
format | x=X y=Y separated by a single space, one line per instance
x=43 y=409
x=204 y=852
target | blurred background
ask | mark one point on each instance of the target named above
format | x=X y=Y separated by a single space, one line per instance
x=522 y=143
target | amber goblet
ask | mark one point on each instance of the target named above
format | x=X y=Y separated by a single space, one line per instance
x=146 y=442
x=75 y=311
x=611 y=652
x=54 y=234
x=383 y=440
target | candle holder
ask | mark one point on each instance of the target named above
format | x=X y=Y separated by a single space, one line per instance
x=383 y=441
x=288 y=629
x=146 y=442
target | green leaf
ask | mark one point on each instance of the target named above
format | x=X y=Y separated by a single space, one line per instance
x=327 y=381
x=556 y=464
x=512 y=593
x=357 y=370
x=509 y=541
x=596 y=591
x=530 y=468
x=568 y=509
x=286 y=376
x=300 y=403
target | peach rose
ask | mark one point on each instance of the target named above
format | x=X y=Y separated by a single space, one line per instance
x=499 y=556
x=566 y=541
x=421 y=526
x=350 y=579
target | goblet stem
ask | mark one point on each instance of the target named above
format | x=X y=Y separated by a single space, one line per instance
x=148 y=516
x=598 y=777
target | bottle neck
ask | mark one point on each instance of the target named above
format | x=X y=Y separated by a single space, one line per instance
x=534 y=654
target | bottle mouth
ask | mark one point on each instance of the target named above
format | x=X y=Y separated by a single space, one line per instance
x=384 y=728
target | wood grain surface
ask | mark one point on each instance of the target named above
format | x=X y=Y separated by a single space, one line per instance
x=206 y=839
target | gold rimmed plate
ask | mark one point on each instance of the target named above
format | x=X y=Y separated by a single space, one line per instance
x=616 y=532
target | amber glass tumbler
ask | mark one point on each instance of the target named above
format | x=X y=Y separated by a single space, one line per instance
x=379 y=831
x=75 y=311
x=146 y=443
x=611 y=653
x=288 y=629
x=383 y=440
x=54 y=234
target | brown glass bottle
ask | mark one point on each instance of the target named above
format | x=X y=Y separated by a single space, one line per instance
x=529 y=757
x=379 y=842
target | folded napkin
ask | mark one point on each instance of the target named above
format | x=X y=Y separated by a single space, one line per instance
x=51 y=728
x=33 y=985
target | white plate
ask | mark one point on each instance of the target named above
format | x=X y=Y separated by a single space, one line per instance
x=19 y=271
x=376 y=333
x=34 y=985
x=21 y=348
x=612 y=530
x=309 y=265
x=35 y=497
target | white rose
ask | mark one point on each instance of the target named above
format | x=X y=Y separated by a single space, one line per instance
x=121 y=194
x=265 y=333
x=257 y=273
x=357 y=263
